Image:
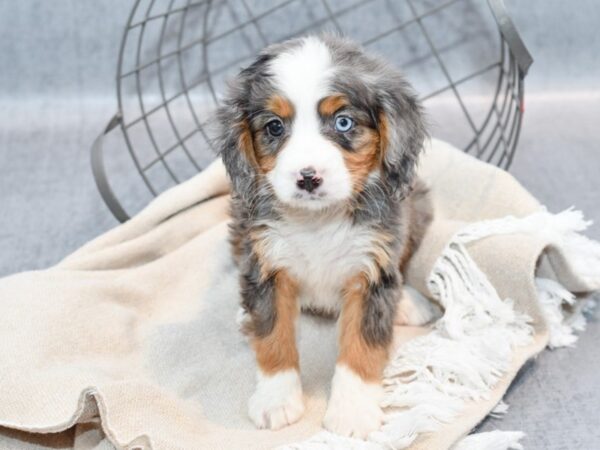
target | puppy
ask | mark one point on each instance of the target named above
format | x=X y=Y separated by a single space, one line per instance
x=320 y=141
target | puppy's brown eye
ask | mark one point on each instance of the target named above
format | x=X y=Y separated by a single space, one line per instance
x=275 y=128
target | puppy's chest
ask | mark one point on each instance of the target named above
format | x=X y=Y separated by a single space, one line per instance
x=322 y=256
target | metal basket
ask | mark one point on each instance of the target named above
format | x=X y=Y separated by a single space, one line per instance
x=468 y=66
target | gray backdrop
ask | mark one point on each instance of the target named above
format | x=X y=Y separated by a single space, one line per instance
x=57 y=91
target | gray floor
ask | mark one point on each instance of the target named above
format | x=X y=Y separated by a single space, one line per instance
x=556 y=399
x=49 y=205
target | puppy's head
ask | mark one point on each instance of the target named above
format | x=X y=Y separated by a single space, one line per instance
x=315 y=121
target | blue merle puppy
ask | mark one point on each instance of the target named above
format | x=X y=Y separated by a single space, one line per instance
x=320 y=141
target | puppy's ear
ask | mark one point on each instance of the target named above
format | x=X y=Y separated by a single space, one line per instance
x=235 y=143
x=402 y=132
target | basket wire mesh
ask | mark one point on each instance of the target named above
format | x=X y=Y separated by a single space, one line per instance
x=176 y=55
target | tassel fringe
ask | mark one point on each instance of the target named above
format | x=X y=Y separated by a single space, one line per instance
x=491 y=440
x=430 y=378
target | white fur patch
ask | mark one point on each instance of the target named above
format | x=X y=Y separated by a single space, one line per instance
x=322 y=252
x=277 y=400
x=353 y=408
x=242 y=319
x=303 y=75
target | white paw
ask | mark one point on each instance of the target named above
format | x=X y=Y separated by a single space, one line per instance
x=353 y=408
x=415 y=310
x=277 y=401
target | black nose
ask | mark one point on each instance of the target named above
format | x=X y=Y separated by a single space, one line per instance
x=308 y=180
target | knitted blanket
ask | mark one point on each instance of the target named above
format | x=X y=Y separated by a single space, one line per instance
x=131 y=341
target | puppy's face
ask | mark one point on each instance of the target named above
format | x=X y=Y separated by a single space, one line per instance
x=313 y=144
x=317 y=121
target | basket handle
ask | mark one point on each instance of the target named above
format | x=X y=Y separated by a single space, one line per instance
x=511 y=35
x=98 y=169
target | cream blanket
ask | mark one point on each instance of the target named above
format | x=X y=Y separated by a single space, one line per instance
x=132 y=339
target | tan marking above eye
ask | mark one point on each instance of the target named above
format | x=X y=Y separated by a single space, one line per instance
x=281 y=107
x=330 y=105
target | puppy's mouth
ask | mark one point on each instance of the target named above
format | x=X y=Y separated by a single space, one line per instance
x=311 y=200
x=312 y=196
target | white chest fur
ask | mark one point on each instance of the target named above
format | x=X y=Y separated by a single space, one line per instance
x=321 y=254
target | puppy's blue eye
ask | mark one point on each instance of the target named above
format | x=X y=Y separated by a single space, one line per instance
x=343 y=123
x=275 y=128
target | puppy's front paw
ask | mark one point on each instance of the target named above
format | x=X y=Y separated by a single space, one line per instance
x=277 y=401
x=353 y=408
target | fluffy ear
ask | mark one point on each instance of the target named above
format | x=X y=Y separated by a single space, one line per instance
x=402 y=133
x=235 y=143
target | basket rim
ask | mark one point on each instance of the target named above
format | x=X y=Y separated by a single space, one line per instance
x=511 y=44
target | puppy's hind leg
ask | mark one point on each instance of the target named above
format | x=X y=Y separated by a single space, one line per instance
x=271 y=304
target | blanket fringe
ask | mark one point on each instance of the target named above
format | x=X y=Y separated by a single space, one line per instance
x=564 y=316
x=430 y=378
x=491 y=440
x=499 y=410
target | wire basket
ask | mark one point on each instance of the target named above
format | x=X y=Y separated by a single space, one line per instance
x=464 y=57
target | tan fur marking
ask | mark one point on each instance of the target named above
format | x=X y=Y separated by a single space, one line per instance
x=258 y=246
x=280 y=106
x=246 y=143
x=367 y=361
x=364 y=159
x=277 y=351
x=330 y=105
x=265 y=162
x=381 y=251
x=250 y=144
x=383 y=134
